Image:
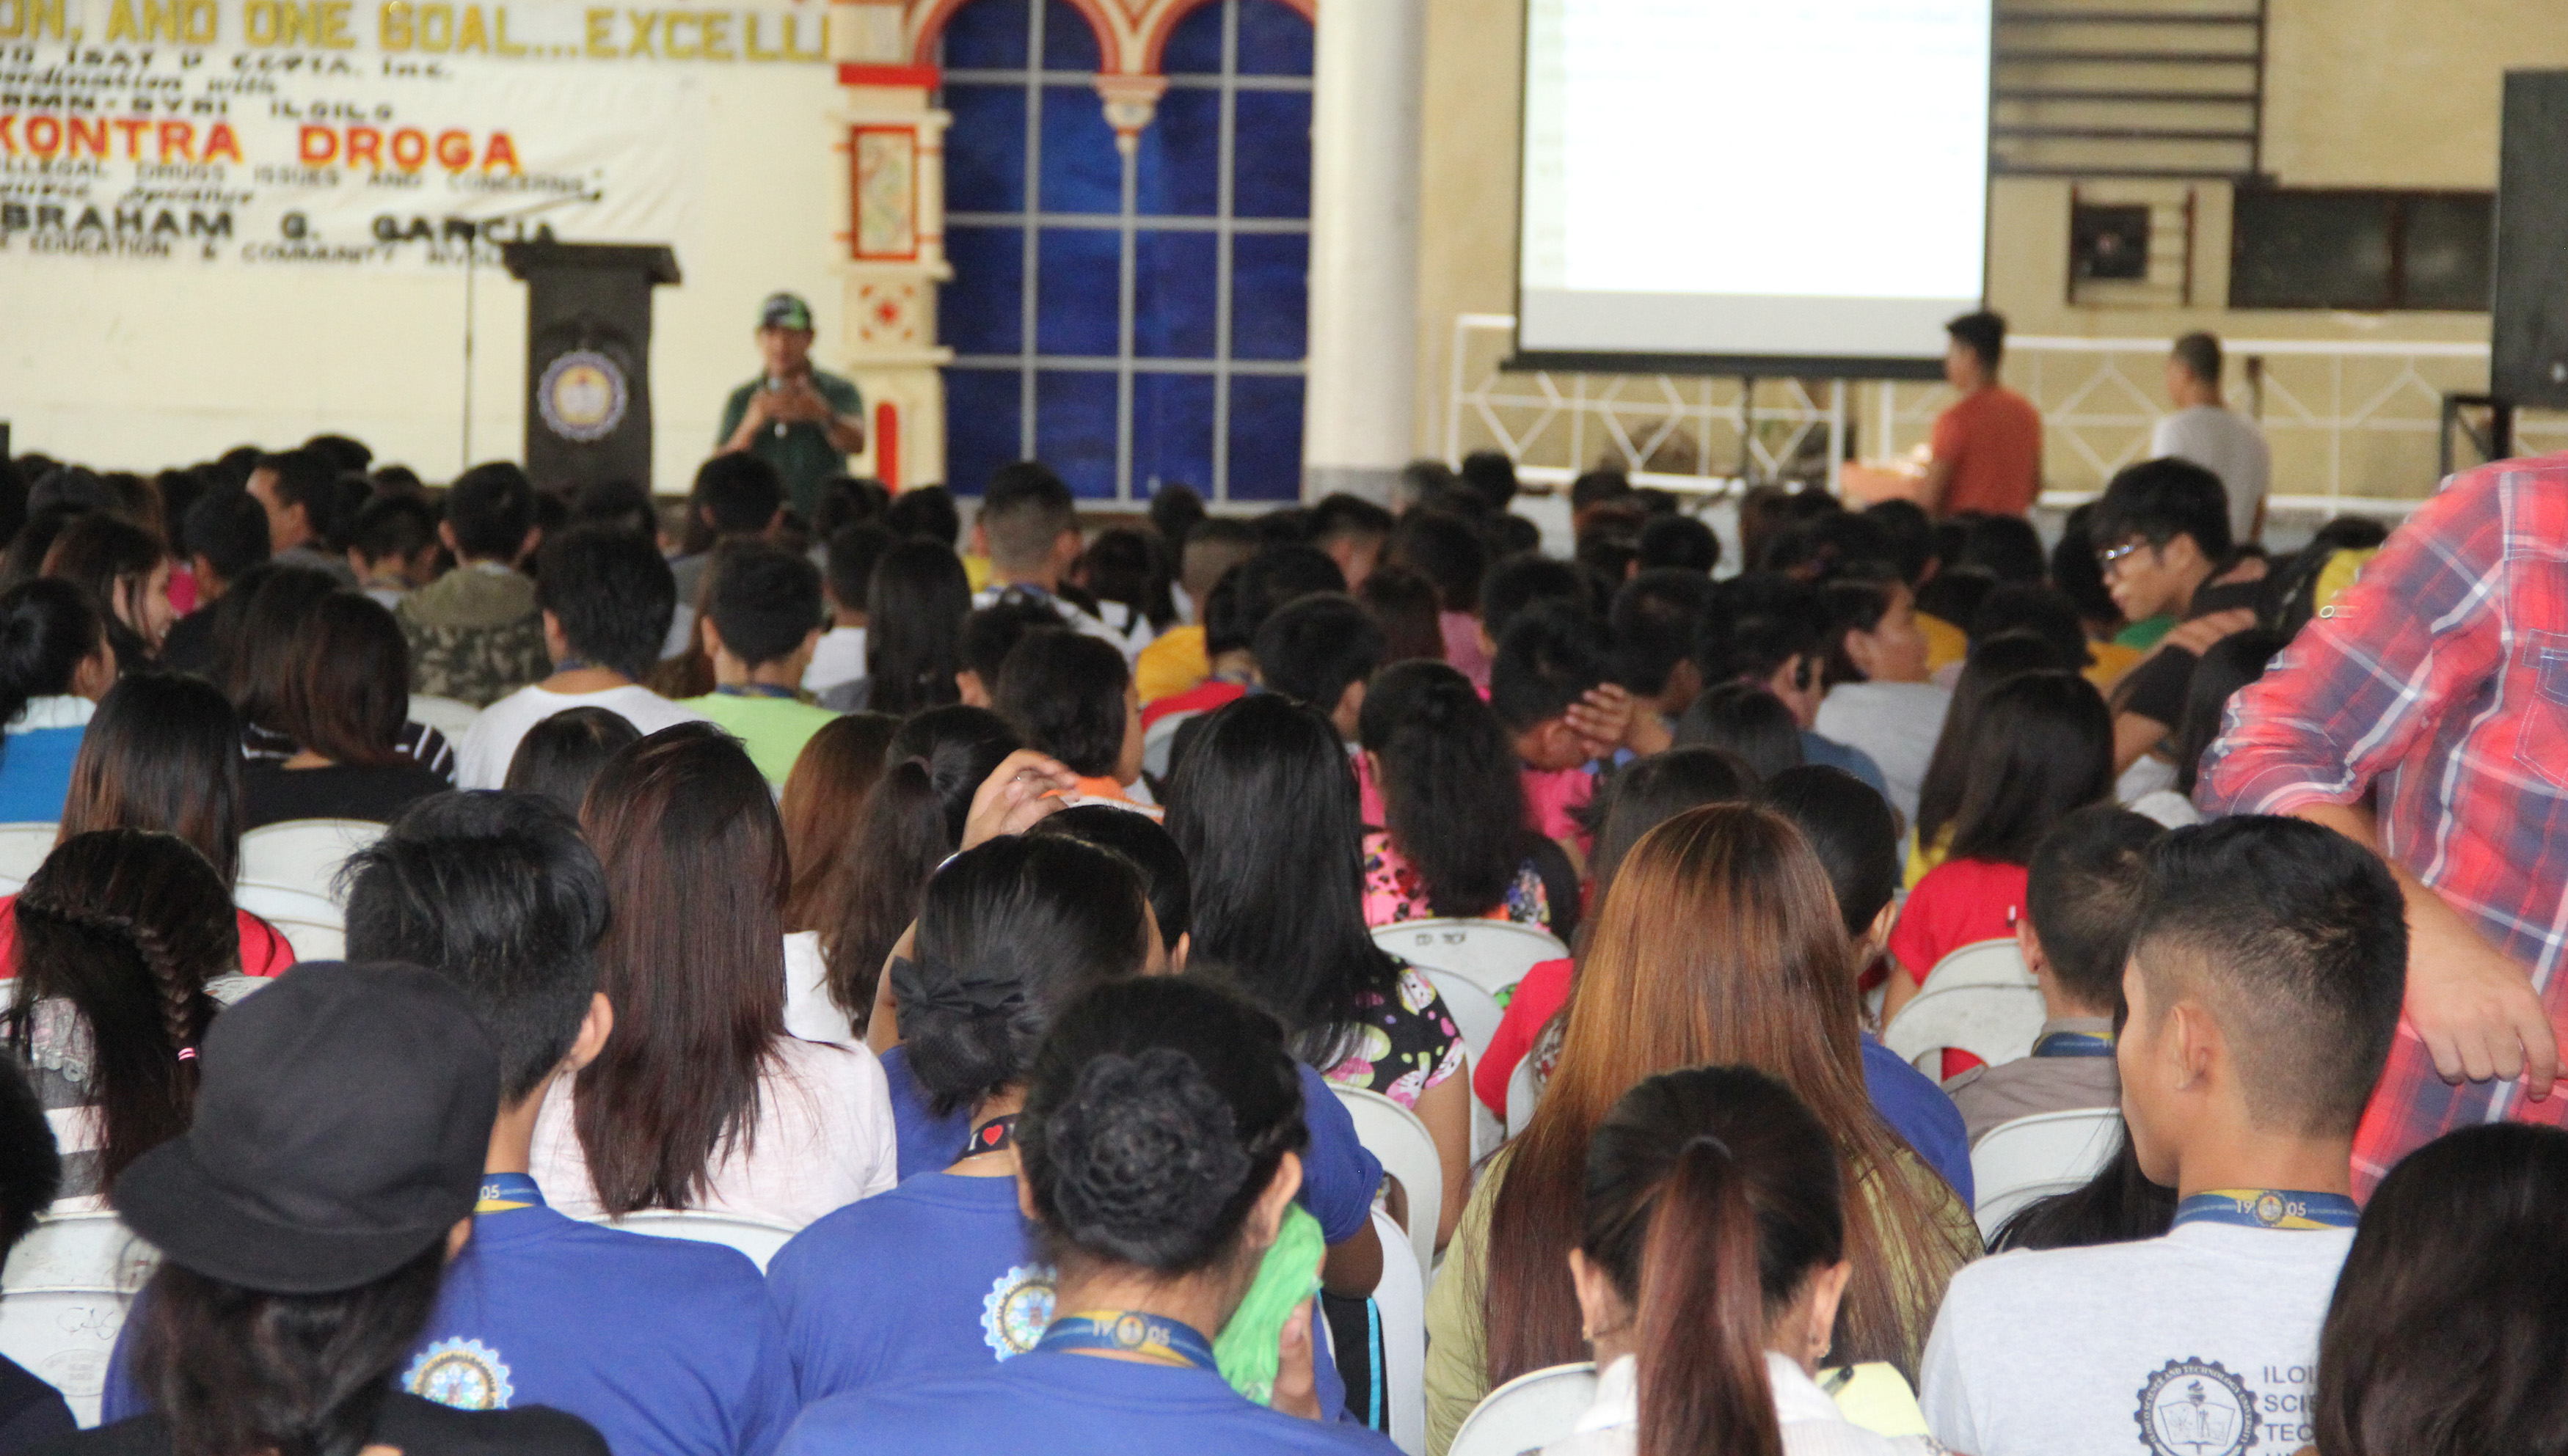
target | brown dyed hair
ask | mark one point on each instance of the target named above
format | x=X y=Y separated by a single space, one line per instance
x=164 y=753
x=822 y=796
x=1717 y=944
x=348 y=692
x=693 y=960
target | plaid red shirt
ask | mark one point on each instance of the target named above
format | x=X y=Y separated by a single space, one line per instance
x=2441 y=680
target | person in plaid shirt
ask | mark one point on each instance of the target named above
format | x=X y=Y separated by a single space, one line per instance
x=2425 y=715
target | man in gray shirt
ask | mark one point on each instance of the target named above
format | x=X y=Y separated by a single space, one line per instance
x=2211 y=435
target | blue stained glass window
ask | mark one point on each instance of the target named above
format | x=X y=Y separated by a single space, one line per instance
x=1176 y=315
x=1274 y=174
x=987 y=36
x=1180 y=171
x=1076 y=309
x=1070 y=42
x=1075 y=429
x=990 y=319
x=1207 y=300
x=1274 y=40
x=985 y=149
x=1266 y=437
x=1171 y=431
x=983 y=411
x=1082 y=170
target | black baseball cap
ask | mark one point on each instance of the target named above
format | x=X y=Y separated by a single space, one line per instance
x=784 y=311
x=342 y=1118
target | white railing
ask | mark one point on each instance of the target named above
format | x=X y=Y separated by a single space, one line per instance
x=2354 y=424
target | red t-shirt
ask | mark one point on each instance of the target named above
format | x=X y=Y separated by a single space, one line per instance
x=1203 y=697
x=1959 y=903
x=1993 y=436
x=1542 y=993
x=263 y=952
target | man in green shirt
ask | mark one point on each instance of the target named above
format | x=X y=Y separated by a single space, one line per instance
x=760 y=628
x=802 y=419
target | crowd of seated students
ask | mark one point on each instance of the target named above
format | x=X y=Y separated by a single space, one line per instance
x=996 y=922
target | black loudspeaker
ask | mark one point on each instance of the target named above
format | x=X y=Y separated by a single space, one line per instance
x=588 y=359
x=2528 y=353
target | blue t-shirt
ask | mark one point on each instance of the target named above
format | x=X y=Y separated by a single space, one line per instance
x=934 y=1279
x=1918 y=1110
x=1339 y=1177
x=1064 y=1404
x=668 y=1346
x=36 y=774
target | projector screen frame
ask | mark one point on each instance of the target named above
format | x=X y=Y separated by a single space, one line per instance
x=1722 y=366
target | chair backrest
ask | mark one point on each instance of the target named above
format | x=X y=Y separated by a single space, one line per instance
x=448 y=716
x=2017 y=1162
x=1494 y=954
x=303 y=854
x=63 y=1297
x=22 y=848
x=753 y=1237
x=1981 y=962
x=315 y=928
x=1996 y=1023
x=1476 y=1013
x=1528 y=1413
x=1400 y=1301
x=1159 y=743
x=1523 y=1091
x=1394 y=1135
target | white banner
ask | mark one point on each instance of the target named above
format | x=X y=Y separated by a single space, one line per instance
x=357 y=134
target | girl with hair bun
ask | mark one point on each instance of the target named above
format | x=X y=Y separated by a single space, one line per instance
x=55 y=664
x=1709 y=1272
x=932 y=1277
x=118 y=933
x=1159 y=1149
x=1453 y=840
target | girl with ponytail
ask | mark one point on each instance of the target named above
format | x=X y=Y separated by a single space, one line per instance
x=117 y=935
x=1710 y=1270
x=1452 y=841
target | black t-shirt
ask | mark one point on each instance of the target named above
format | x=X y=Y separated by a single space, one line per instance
x=272 y=793
x=417 y=1427
x=190 y=647
x=2157 y=689
x=31 y=1411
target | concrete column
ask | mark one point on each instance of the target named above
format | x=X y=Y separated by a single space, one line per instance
x=1359 y=404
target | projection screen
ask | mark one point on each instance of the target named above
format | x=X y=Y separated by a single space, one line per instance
x=1784 y=184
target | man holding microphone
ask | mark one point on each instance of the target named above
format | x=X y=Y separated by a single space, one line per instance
x=803 y=421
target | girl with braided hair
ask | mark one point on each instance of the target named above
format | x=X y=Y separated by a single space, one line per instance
x=119 y=932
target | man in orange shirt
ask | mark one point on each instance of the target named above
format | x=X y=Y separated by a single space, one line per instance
x=1986 y=450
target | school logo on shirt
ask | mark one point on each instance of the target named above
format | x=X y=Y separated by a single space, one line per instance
x=2193 y=1407
x=1015 y=1312
x=464 y=1373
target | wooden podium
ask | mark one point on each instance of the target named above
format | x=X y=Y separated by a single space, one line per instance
x=588 y=358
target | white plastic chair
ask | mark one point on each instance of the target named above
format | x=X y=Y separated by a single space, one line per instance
x=753 y=1237
x=63 y=1297
x=2027 y=1158
x=1476 y=1013
x=1528 y=1413
x=1399 y=1300
x=1996 y=1023
x=314 y=927
x=22 y=848
x=303 y=854
x=448 y=716
x=1491 y=954
x=1523 y=1094
x=1997 y=962
x=1394 y=1135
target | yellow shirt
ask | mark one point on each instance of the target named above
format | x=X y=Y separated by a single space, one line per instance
x=1945 y=643
x=1174 y=663
x=976 y=570
x=2111 y=661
